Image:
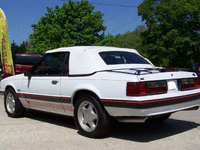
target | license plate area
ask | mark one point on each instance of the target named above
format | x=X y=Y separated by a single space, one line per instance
x=172 y=85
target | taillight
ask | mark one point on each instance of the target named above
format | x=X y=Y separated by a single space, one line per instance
x=146 y=88
x=156 y=87
x=190 y=83
x=169 y=70
x=136 y=89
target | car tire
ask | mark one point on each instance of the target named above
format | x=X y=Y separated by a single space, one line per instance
x=90 y=118
x=12 y=104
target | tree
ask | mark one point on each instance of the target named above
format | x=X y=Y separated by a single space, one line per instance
x=172 y=38
x=23 y=48
x=131 y=39
x=127 y=40
x=14 y=48
x=108 y=41
x=75 y=23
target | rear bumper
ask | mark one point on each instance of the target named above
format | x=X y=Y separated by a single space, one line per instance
x=145 y=109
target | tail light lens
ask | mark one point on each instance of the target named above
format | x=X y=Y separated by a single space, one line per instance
x=146 y=88
x=190 y=83
x=169 y=70
x=157 y=87
x=136 y=89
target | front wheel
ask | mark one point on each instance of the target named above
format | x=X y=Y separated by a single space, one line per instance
x=90 y=118
x=12 y=104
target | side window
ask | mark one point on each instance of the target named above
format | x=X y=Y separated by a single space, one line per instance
x=53 y=64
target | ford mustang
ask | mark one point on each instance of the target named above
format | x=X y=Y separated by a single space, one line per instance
x=97 y=84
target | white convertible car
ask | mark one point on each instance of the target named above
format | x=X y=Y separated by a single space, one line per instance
x=98 y=84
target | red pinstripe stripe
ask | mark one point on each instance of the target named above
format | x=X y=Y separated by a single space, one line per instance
x=149 y=101
x=41 y=96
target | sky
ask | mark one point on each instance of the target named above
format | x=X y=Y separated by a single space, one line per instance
x=21 y=14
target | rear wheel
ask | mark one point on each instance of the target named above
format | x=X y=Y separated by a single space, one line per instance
x=90 y=118
x=12 y=104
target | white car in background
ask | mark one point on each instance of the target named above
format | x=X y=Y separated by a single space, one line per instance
x=96 y=84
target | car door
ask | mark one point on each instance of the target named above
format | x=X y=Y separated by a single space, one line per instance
x=41 y=90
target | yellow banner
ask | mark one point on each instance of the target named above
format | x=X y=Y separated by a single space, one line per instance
x=6 y=55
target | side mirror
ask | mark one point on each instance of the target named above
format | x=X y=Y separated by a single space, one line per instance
x=27 y=73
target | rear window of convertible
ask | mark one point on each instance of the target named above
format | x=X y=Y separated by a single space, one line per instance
x=120 y=57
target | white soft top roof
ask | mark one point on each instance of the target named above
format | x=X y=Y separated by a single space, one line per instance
x=86 y=59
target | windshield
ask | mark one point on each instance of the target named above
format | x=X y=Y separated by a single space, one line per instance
x=26 y=60
x=120 y=57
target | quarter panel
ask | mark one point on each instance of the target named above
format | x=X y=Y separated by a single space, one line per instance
x=103 y=84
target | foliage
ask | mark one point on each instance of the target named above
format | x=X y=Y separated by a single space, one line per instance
x=75 y=23
x=131 y=39
x=172 y=38
x=14 y=48
x=22 y=48
x=127 y=40
x=108 y=41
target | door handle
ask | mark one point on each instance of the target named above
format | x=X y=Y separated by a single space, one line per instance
x=54 y=82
